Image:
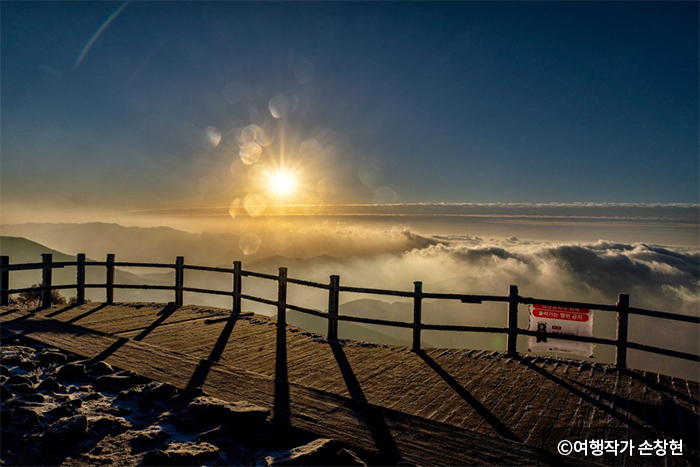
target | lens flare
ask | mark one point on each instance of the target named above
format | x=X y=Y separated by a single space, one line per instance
x=279 y=105
x=255 y=204
x=249 y=243
x=235 y=208
x=250 y=153
x=211 y=137
x=384 y=195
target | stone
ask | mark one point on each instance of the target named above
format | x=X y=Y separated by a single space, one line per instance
x=27 y=365
x=75 y=403
x=110 y=424
x=121 y=380
x=206 y=410
x=61 y=411
x=148 y=437
x=92 y=396
x=35 y=397
x=23 y=388
x=318 y=452
x=153 y=391
x=188 y=394
x=145 y=439
x=50 y=385
x=19 y=379
x=12 y=359
x=182 y=454
x=5 y=393
x=51 y=357
x=68 y=430
x=101 y=368
x=71 y=371
x=27 y=417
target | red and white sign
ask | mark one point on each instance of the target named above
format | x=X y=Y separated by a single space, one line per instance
x=551 y=320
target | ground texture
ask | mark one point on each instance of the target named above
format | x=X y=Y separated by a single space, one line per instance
x=478 y=407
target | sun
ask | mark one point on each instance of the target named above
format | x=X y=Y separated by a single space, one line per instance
x=281 y=183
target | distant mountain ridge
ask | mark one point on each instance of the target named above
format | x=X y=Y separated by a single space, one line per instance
x=21 y=250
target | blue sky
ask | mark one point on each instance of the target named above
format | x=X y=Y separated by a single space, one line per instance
x=454 y=102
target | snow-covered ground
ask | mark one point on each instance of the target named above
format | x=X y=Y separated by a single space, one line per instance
x=59 y=409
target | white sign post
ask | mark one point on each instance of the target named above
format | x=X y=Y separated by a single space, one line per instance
x=561 y=320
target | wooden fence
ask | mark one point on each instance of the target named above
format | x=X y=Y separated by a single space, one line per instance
x=513 y=299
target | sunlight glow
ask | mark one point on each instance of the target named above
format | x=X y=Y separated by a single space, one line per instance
x=282 y=183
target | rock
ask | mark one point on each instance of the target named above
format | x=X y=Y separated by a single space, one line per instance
x=75 y=403
x=5 y=393
x=205 y=410
x=68 y=430
x=188 y=395
x=101 y=368
x=121 y=380
x=3 y=379
x=144 y=439
x=92 y=396
x=12 y=357
x=50 y=385
x=4 y=370
x=71 y=371
x=182 y=454
x=27 y=365
x=19 y=379
x=110 y=424
x=318 y=452
x=61 y=411
x=347 y=457
x=23 y=388
x=50 y=356
x=152 y=391
x=35 y=397
x=27 y=417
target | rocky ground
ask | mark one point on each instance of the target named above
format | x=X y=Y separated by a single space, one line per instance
x=59 y=409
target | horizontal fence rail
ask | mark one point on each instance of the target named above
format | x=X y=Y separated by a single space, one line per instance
x=513 y=299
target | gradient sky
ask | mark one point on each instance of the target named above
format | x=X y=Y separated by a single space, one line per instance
x=453 y=102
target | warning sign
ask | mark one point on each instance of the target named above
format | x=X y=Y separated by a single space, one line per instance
x=552 y=319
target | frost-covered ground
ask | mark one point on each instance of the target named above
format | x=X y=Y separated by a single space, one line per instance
x=58 y=409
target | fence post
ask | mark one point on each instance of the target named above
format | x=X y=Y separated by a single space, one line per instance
x=282 y=298
x=47 y=258
x=333 y=296
x=5 y=279
x=417 y=310
x=623 y=303
x=179 y=279
x=110 y=278
x=237 y=283
x=80 y=271
x=512 y=321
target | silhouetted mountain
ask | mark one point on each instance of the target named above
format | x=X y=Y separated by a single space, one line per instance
x=161 y=244
x=21 y=250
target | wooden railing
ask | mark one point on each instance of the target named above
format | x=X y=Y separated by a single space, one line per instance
x=513 y=299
